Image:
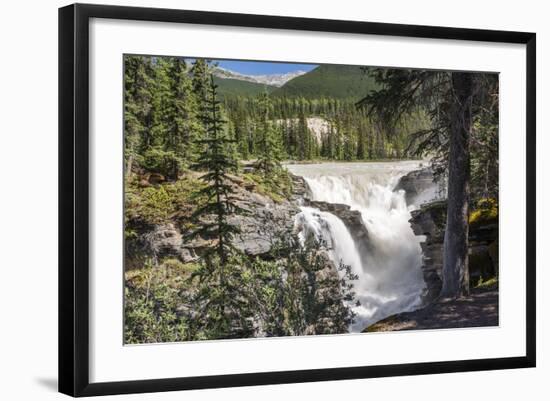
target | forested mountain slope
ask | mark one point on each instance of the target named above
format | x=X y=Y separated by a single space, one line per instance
x=237 y=87
x=333 y=81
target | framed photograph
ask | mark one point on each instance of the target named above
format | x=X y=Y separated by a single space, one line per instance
x=250 y=199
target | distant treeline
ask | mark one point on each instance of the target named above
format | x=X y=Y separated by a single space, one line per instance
x=348 y=134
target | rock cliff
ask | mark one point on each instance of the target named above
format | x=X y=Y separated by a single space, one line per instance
x=260 y=225
x=429 y=221
x=419 y=186
x=352 y=219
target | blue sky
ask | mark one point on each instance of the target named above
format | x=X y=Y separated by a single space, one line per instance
x=261 y=68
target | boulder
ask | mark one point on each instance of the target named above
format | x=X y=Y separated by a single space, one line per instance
x=156 y=179
x=419 y=186
x=353 y=220
x=262 y=225
x=430 y=221
x=165 y=240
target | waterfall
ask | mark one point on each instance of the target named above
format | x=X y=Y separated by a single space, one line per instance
x=333 y=231
x=390 y=279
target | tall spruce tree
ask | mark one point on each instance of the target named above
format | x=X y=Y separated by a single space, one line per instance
x=200 y=84
x=217 y=160
x=222 y=306
x=184 y=121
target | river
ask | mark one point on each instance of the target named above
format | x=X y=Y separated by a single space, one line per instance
x=389 y=268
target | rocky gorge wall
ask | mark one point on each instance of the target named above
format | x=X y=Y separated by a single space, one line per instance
x=430 y=219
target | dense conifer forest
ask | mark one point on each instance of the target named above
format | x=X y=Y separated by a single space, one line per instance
x=165 y=98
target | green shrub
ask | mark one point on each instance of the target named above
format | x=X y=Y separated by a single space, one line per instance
x=158 y=204
x=486 y=211
x=491 y=283
x=154 y=298
x=277 y=185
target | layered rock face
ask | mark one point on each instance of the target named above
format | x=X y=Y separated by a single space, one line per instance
x=300 y=189
x=430 y=221
x=260 y=226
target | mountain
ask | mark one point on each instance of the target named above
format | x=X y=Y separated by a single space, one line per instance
x=336 y=81
x=277 y=80
x=236 y=87
x=333 y=81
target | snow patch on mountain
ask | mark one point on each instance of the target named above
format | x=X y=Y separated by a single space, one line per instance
x=277 y=80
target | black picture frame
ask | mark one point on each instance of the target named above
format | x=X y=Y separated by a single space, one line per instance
x=74 y=198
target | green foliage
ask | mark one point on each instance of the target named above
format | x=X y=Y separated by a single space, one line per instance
x=315 y=297
x=415 y=97
x=484 y=143
x=351 y=134
x=268 y=143
x=278 y=185
x=153 y=299
x=174 y=114
x=200 y=79
x=138 y=95
x=160 y=114
x=221 y=303
x=160 y=160
x=485 y=211
x=297 y=292
x=488 y=284
x=156 y=204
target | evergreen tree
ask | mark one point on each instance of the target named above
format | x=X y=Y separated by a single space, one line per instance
x=303 y=145
x=137 y=107
x=185 y=109
x=217 y=160
x=221 y=304
x=159 y=153
x=200 y=84
x=176 y=118
x=199 y=71
x=200 y=87
x=361 y=153
x=269 y=155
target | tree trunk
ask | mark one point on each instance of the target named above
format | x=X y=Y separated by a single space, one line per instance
x=129 y=162
x=455 y=262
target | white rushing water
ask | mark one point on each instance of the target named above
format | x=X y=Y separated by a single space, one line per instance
x=390 y=280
